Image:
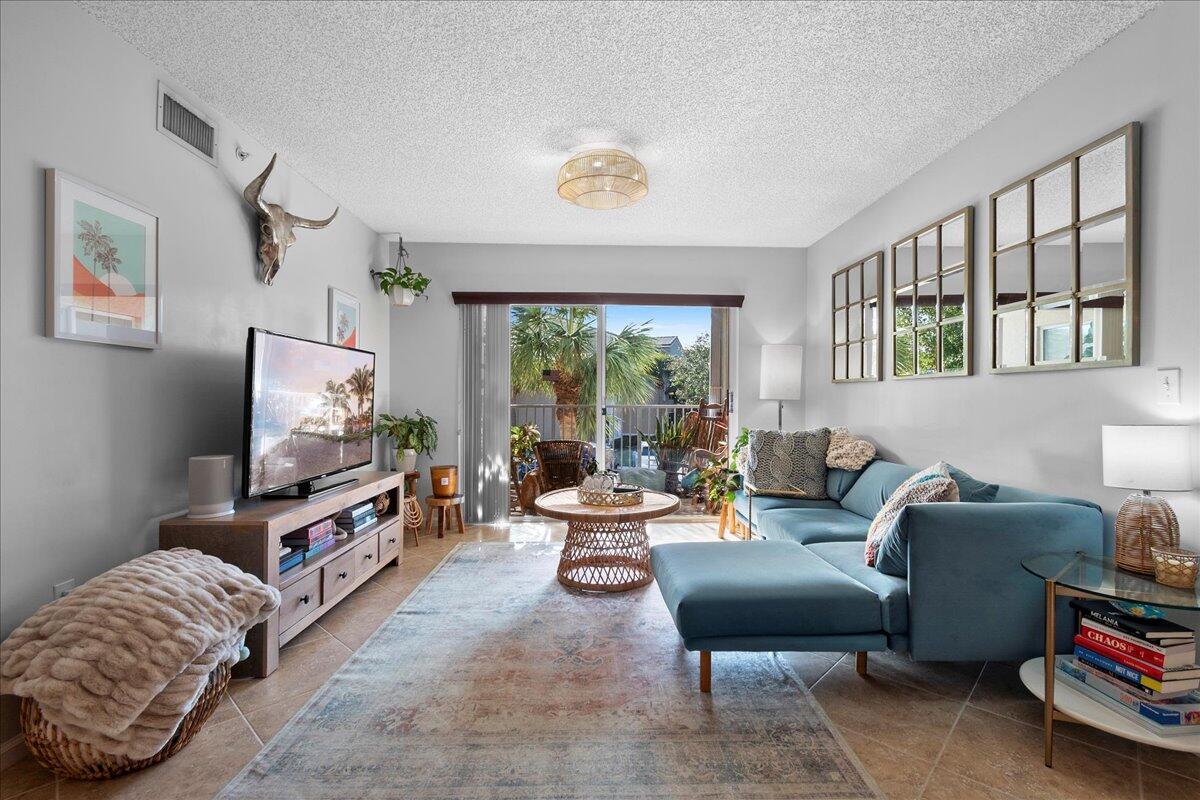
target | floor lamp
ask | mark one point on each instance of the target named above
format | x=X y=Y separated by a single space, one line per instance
x=779 y=378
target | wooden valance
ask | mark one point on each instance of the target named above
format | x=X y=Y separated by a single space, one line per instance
x=596 y=299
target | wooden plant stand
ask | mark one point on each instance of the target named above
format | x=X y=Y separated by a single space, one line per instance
x=444 y=507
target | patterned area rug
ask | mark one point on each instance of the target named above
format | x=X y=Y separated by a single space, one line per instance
x=494 y=681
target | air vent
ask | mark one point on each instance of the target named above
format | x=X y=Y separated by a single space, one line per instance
x=184 y=126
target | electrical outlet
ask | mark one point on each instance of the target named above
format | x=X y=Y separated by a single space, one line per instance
x=64 y=588
x=1168 y=386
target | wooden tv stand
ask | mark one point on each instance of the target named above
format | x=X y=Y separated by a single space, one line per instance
x=249 y=539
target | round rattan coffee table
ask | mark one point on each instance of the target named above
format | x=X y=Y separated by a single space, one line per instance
x=606 y=549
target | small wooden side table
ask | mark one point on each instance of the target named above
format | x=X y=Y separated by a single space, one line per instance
x=444 y=506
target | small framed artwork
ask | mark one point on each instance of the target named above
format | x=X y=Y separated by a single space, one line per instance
x=345 y=315
x=102 y=282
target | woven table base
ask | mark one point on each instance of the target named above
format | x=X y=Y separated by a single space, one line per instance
x=605 y=556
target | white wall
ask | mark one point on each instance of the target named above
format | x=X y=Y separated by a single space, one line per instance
x=425 y=336
x=1042 y=430
x=96 y=437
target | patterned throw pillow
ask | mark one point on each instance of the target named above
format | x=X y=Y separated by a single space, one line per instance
x=847 y=452
x=931 y=485
x=788 y=464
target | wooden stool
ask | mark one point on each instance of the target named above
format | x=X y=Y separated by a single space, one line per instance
x=412 y=507
x=444 y=506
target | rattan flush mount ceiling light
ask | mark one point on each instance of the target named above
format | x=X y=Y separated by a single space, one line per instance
x=602 y=177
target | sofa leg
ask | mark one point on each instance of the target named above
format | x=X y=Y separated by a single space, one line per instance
x=706 y=671
x=860 y=663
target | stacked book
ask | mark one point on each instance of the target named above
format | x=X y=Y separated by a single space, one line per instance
x=355 y=518
x=1142 y=668
x=306 y=543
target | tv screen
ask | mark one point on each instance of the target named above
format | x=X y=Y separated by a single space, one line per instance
x=309 y=411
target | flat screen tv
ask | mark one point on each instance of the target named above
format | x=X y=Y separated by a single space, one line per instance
x=309 y=411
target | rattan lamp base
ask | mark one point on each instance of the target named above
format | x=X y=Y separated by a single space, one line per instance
x=1144 y=521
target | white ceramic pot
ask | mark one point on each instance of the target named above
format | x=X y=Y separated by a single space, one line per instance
x=402 y=297
x=406 y=459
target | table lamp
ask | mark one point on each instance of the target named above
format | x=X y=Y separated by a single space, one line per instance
x=1146 y=458
x=780 y=376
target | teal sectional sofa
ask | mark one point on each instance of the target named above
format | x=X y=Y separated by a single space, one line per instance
x=957 y=591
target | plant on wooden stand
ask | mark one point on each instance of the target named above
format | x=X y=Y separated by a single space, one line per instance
x=721 y=477
x=410 y=435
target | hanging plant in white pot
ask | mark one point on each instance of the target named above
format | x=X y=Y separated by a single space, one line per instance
x=401 y=283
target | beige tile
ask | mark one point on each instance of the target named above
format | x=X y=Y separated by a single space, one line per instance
x=396 y=581
x=811 y=666
x=195 y=773
x=356 y=617
x=1001 y=691
x=1007 y=755
x=225 y=710
x=953 y=679
x=309 y=635
x=24 y=776
x=1187 y=764
x=1157 y=783
x=268 y=720
x=945 y=785
x=912 y=719
x=301 y=669
x=899 y=775
x=47 y=791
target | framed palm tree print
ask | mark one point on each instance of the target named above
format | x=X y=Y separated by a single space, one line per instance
x=102 y=281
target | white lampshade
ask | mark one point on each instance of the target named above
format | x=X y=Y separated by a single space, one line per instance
x=780 y=376
x=1148 y=457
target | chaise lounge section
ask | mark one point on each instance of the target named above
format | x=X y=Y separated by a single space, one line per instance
x=803 y=585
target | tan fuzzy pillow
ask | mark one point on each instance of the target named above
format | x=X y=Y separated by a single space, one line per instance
x=848 y=452
x=931 y=485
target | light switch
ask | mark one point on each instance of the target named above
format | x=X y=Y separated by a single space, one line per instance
x=1168 y=386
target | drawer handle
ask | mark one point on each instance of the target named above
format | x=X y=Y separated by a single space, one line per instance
x=392 y=540
x=304 y=600
x=368 y=556
x=343 y=575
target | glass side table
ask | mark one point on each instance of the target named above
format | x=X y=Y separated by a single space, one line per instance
x=1095 y=577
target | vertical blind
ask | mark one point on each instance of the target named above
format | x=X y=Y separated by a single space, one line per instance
x=485 y=388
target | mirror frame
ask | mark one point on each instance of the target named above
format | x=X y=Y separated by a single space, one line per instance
x=862 y=301
x=968 y=267
x=1129 y=283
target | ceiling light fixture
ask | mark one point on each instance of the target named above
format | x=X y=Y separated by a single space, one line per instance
x=602 y=176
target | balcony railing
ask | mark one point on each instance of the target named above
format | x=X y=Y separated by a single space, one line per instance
x=624 y=444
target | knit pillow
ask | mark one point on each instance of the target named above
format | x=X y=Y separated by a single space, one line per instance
x=790 y=464
x=847 y=452
x=931 y=485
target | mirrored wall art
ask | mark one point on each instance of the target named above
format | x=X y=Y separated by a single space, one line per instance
x=1064 y=260
x=855 y=321
x=931 y=292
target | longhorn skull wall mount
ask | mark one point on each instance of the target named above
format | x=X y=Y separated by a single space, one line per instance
x=275 y=226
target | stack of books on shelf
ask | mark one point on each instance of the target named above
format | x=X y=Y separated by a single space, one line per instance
x=355 y=518
x=305 y=543
x=1141 y=668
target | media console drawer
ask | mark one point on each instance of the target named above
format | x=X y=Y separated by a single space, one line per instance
x=366 y=555
x=389 y=542
x=299 y=599
x=339 y=575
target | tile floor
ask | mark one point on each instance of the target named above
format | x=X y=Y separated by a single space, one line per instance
x=932 y=731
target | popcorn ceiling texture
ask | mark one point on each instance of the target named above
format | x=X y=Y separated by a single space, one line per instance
x=759 y=124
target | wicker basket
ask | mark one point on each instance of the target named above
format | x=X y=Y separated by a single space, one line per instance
x=1174 y=566
x=64 y=756
x=611 y=499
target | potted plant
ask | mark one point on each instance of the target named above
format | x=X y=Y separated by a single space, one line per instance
x=402 y=285
x=521 y=439
x=721 y=477
x=671 y=444
x=410 y=435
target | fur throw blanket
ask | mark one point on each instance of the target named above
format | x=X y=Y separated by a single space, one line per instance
x=119 y=661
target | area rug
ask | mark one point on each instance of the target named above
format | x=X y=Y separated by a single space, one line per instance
x=494 y=681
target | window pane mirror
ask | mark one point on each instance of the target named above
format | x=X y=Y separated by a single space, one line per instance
x=855 y=322
x=1064 y=260
x=932 y=289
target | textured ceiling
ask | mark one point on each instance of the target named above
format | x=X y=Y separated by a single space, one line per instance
x=759 y=123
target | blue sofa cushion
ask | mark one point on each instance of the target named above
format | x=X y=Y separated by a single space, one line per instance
x=1011 y=494
x=759 y=588
x=874 y=487
x=891 y=591
x=809 y=525
x=763 y=503
x=839 y=481
x=971 y=490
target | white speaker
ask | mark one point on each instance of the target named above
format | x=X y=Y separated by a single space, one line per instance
x=210 y=486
